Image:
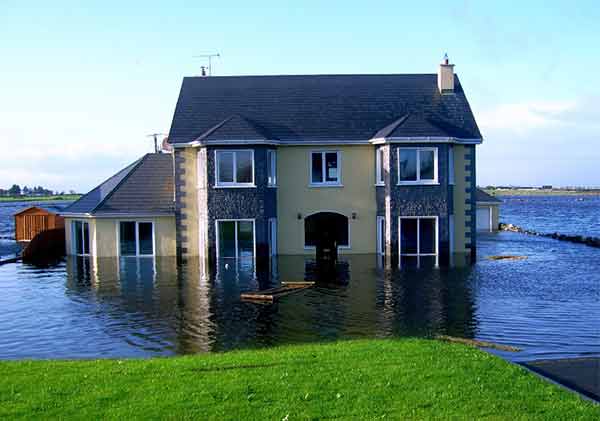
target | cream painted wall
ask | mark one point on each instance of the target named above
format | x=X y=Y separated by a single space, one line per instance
x=103 y=235
x=295 y=196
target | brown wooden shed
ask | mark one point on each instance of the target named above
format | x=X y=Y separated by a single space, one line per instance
x=31 y=221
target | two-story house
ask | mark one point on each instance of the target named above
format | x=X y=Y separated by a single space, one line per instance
x=266 y=165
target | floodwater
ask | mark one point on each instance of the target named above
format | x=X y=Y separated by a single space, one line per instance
x=547 y=304
x=572 y=215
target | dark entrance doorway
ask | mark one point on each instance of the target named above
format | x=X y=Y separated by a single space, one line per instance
x=326 y=225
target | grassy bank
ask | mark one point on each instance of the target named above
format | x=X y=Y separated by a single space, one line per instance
x=39 y=198
x=390 y=379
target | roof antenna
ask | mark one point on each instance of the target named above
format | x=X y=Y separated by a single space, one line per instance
x=155 y=136
x=209 y=57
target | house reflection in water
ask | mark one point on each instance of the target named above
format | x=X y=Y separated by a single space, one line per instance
x=162 y=308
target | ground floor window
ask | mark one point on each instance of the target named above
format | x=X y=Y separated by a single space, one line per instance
x=136 y=238
x=418 y=240
x=80 y=235
x=380 y=235
x=235 y=238
x=323 y=225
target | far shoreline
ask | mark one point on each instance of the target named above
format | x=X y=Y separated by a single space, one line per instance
x=53 y=198
x=540 y=192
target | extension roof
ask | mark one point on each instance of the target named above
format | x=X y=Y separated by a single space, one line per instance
x=143 y=187
x=481 y=196
x=313 y=108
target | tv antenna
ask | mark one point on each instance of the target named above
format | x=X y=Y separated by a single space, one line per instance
x=155 y=136
x=209 y=57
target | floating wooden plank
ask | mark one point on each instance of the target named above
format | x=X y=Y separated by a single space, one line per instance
x=271 y=294
x=474 y=342
x=506 y=257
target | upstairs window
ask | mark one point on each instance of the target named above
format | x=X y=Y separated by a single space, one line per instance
x=417 y=166
x=271 y=168
x=234 y=168
x=325 y=168
x=379 y=167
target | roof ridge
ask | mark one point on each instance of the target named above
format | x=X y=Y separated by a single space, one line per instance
x=213 y=129
x=310 y=74
x=250 y=123
x=385 y=131
x=134 y=167
x=100 y=185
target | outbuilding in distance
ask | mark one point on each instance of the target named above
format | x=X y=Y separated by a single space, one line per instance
x=488 y=211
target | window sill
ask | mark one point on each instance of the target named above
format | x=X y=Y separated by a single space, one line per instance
x=318 y=185
x=339 y=248
x=235 y=186
x=272 y=186
x=418 y=183
x=379 y=184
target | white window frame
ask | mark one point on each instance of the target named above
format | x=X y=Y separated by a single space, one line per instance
x=272 y=168
x=234 y=183
x=418 y=181
x=418 y=254
x=324 y=183
x=272 y=231
x=73 y=238
x=237 y=254
x=379 y=173
x=380 y=235
x=137 y=237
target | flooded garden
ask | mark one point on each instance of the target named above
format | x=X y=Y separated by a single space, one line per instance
x=547 y=304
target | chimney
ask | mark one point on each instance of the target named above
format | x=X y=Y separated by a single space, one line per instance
x=446 y=76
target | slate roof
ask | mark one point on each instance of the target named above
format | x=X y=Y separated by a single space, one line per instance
x=481 y=196
x=319 y=107
x=143 y=187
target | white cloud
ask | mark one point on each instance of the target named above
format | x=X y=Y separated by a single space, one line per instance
x=521 y=117
x=540 y=142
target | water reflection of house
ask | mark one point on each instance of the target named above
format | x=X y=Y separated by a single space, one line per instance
x=381 y=163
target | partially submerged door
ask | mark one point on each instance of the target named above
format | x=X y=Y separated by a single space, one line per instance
x=484 y=219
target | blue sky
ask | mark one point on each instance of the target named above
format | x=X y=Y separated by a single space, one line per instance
x=81 y=86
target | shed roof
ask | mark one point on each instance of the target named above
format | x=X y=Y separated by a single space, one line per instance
x=55 y=209
x=319 y=108
x=143 y=187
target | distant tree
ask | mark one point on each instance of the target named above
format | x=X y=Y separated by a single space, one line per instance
x=3 y=192
x=15 y=190
x=26 y=191
x=72 y=192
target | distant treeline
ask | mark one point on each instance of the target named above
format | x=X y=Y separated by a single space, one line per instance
x=26 y=191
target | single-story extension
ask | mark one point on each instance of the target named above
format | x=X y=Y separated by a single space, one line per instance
x=130 y=214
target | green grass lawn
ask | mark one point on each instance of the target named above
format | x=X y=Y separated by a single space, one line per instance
x=39 y=198
x=381 y=379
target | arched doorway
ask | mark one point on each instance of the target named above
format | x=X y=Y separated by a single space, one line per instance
x=323 y=224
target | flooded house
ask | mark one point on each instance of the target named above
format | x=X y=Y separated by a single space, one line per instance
x=272 y=165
